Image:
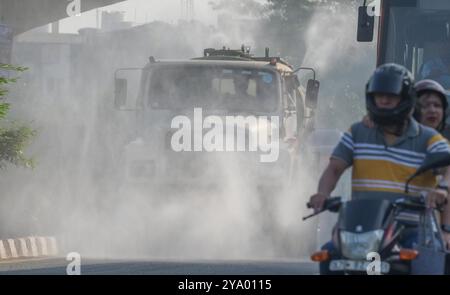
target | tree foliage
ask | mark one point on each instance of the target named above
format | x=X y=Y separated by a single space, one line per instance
x=14 y=137
x=319 y=34
x=239 y=7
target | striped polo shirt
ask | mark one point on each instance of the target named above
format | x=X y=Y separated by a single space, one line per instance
x=380 y=170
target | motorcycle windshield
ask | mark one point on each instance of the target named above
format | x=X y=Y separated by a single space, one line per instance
x=363 y=215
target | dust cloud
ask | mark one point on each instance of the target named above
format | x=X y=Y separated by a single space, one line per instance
x=78 y=191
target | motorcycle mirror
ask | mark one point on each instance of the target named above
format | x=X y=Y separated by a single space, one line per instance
x=432 y=161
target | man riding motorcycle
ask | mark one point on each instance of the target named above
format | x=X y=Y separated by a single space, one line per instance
x=384 y=157
x=431 y=110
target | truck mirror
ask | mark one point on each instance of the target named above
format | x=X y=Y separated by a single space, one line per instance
x=120 y=93
x=365 y=25
x=312 y=93
x=127 y=87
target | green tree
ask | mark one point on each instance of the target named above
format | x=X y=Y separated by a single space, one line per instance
x=14 y=137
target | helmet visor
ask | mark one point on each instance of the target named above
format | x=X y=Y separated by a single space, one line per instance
x=385 y=83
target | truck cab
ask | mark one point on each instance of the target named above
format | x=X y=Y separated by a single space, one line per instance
x=261 y=94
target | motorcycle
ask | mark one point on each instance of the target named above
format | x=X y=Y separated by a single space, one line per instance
x=370 y=229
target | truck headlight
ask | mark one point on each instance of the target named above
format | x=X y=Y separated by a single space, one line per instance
x=356 y=246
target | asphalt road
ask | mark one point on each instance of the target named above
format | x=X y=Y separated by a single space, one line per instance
x=58 y=266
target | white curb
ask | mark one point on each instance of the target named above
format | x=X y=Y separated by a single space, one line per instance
x=28 y=247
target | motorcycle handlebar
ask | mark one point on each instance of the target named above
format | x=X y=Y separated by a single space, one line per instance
x=417 y=203
x=328 y=202
x=331 y=204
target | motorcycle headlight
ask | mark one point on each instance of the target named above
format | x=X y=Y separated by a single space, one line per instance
x=358 y=245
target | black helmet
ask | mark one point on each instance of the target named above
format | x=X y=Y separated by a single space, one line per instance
x=429 y=85
x=391 y=79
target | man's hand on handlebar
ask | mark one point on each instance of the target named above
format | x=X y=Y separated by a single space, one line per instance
x=436 y=198
x=317 y=202
x=446 y=237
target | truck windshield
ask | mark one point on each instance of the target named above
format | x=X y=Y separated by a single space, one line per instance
x=419 y=38
x=213 y=87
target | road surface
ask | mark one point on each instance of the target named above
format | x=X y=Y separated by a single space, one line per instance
x=58 y=266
